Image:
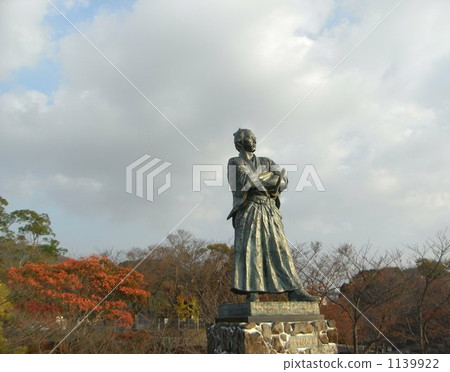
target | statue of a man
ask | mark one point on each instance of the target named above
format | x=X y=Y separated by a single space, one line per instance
x=262 y=259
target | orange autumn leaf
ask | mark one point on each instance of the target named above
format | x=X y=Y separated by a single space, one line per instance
x=73 y=288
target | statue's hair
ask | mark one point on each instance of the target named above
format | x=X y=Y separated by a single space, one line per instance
x=239 y=138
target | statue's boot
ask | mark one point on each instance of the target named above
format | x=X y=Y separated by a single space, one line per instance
x=299 y=295
x=252 y=297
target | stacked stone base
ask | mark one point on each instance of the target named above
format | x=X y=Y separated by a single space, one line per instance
x=269 y=334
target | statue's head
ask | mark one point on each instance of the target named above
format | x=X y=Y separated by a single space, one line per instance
x=244 y=139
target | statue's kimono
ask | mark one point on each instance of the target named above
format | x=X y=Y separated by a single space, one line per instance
x=262 y=258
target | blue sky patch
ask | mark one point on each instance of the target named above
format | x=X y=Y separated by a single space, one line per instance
x=43 y=77
x=79 y=14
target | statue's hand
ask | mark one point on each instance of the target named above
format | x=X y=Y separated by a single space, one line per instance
x=274 y=194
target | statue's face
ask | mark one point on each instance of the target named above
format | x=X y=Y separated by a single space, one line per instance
x=249 y=143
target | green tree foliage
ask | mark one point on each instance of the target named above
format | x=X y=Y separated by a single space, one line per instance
x=5 y=219
x=35 y=229
x=26 y=235
x=6 y=308
x=432 y=269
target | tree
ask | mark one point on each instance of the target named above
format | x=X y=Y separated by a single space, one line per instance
x=187 y=308
x=35 y=229
x=5 y=308
x=77 y=288
x=360 y=284
x=376 y=295
x=5 y=219
x=26 y=235
x=34 y=225
x=185 y=266
x=211 y=280
x=428 y=305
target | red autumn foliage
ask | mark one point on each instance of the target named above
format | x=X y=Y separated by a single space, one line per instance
x=73 y=288
x=333 y=311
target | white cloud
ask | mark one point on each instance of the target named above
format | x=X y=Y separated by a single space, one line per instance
x=427 y=200
x=23 y=36
x=20 y=103
x=69 y=4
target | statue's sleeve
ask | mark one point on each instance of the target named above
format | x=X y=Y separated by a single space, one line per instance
x=241 y=176
x=276 y=169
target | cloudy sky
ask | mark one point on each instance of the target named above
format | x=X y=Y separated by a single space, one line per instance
x=175 y=79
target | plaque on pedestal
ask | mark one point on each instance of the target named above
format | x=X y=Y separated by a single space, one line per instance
x=269 y=311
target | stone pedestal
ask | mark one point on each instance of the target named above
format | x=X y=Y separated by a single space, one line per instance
x=272 y=327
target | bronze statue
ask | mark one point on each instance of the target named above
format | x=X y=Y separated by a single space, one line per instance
x=262 y=259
